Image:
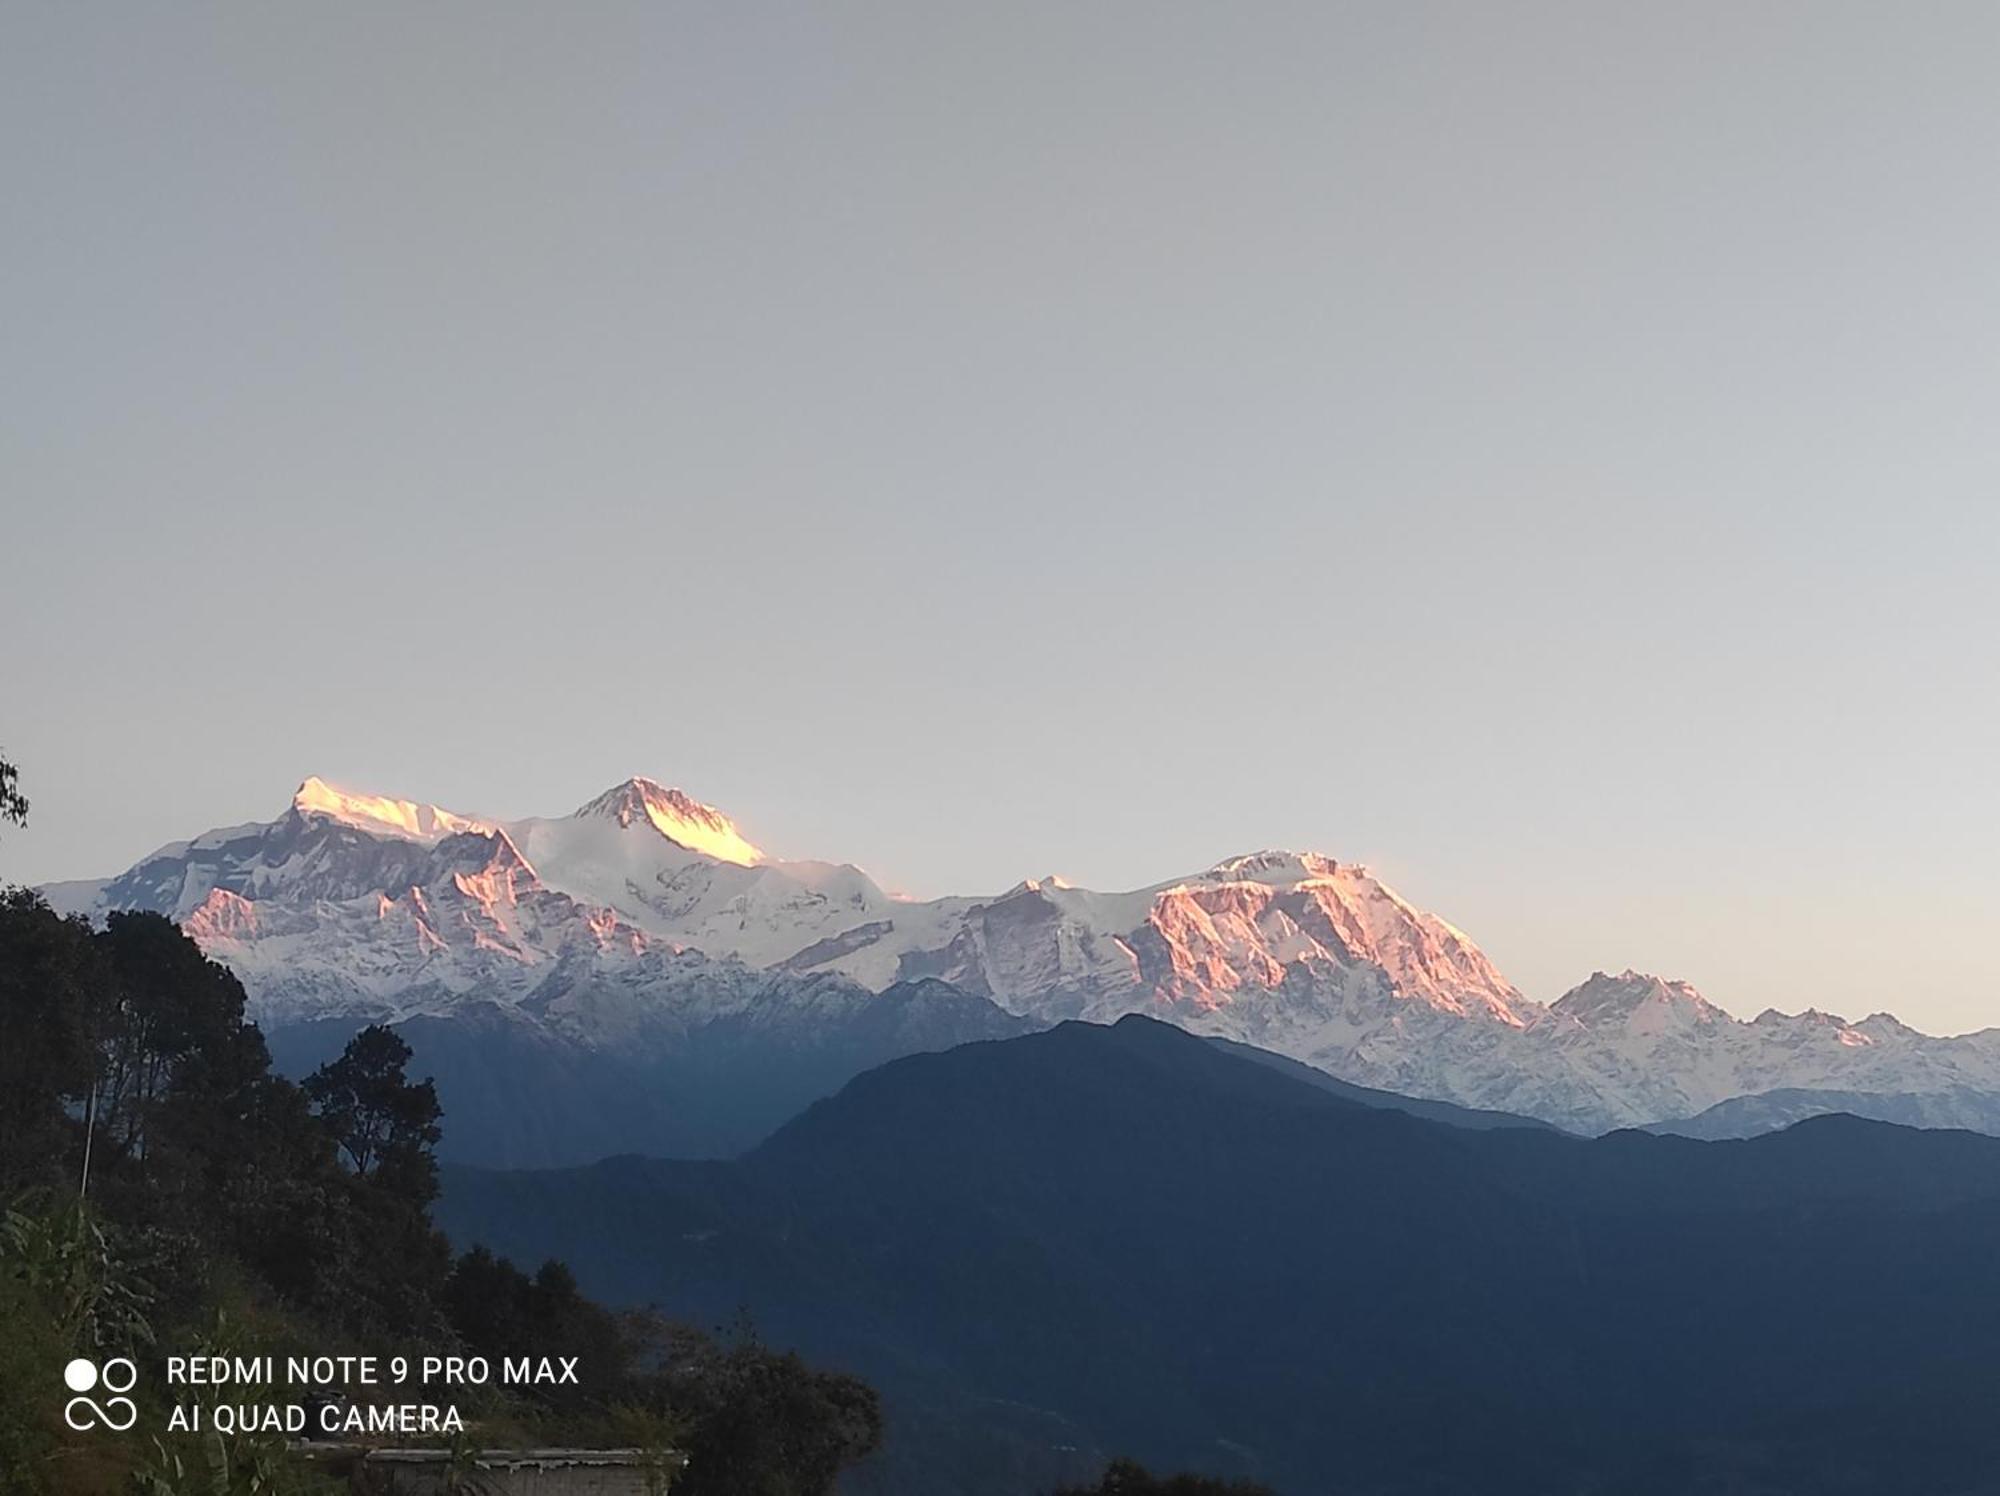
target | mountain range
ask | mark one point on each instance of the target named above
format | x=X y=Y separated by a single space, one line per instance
x=1096 y=1240
x=643 y=948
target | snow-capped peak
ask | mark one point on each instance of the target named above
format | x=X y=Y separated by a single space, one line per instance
x=678 y=817
x=379 y=815
x=1622 y=999
x=1274 y=865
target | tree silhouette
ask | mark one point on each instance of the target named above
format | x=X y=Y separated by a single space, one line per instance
x=378 y=1116
x=13 y=804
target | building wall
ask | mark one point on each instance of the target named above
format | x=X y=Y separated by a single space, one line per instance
x=378 y=1477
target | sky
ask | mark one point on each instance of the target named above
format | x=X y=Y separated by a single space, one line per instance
x=1544 y=451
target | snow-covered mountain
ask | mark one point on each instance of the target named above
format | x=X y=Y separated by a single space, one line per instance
x=1750 y=1116
x=1664 y=1052
x=646 y=915
x=359 y=904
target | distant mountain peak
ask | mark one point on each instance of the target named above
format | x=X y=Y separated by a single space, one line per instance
x=1277 y=865
x=380 y=815
x=677 y=816
x=1051 y=883
x=1634 y=997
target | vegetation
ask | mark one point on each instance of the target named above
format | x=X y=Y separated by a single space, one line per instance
x=164 y=1190
x=13 y=804
x=1127 y=1478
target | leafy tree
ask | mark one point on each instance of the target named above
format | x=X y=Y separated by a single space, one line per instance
x=54 y=982
x=179 y=1053
x=13 y=804
x=763 y=1423
x=386 y=1127
x=497 y=1310
x=129 y=1043
x=288 y=1206
x=379 y=1118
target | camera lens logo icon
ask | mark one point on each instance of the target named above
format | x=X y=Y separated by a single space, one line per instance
x=118 y=1375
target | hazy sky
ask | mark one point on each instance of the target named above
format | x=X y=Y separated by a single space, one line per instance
x=1549 y=452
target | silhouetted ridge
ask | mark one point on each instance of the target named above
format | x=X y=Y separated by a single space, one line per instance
x=1066 y=1075
x=1092 y=1240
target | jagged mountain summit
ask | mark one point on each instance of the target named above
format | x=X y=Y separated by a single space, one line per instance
x=646 y=912
x=371 y=891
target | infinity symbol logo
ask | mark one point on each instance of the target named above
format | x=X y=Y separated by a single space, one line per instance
x=81 y=1375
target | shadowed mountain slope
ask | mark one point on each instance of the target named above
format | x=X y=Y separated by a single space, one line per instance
x=1123 y=1239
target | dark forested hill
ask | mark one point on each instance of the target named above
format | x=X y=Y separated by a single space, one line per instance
x=1096 y=1240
